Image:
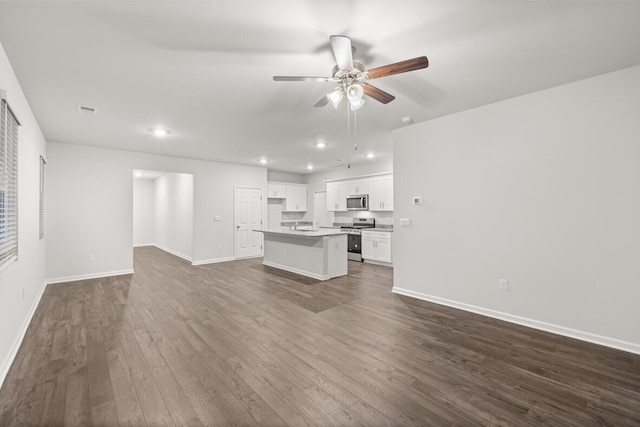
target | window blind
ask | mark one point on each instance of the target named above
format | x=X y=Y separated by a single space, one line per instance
x=8 y=183
x=43 y=162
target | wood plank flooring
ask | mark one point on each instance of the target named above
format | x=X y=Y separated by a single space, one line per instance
x=242 y=344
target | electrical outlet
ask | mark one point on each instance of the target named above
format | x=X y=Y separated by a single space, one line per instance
x=22 y=293
x=91 y=257
x=219 y=245
x=503 y=284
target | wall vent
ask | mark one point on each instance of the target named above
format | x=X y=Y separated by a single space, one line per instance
x=87 y=110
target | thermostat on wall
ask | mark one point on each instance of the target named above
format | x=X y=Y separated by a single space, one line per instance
x=417 y=200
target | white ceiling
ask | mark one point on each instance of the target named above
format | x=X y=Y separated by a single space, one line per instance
x=204 y=69
x=147 y=174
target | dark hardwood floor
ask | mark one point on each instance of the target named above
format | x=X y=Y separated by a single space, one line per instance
x=239 y=343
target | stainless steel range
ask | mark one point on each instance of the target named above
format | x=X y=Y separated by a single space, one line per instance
x=354 y=238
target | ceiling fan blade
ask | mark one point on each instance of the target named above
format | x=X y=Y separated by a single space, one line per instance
x=322 y=102
x=341 y=46
x=377 y=94
x=304 y=79
x=398 y=67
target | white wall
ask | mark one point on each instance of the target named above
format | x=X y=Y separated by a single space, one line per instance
x=285 y=177
x=27 y=274
x=92 y=205
x=317 y=182
x=543 y=190
x=143 y=216
x=173 y=214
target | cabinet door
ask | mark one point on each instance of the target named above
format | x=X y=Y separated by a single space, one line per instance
x=381 y=194
x=368 y=245
x=357 y=187
x=296 y=199
x=387 y=193
x=383 y=246
x=333 y=196
x=375 y=195
x=342 y=196
x=276 y=191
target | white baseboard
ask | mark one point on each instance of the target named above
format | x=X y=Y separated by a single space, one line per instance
x=297 y=271
x=212 y=261
x=89 y=276
x=531 y=323
x=172 y=252
x=372 y=261
x=8 y=361
x=141 y=245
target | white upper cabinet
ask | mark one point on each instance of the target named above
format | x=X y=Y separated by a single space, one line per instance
x=381 y=194
x=336 y=196
x=296 y=200
x=276 y=191
x=379 y=189
x=357 y=187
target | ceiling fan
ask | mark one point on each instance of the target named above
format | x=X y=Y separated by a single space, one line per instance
x=352 y=76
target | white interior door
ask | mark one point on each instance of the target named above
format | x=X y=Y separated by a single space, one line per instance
x=248 y=217
x=321 y=217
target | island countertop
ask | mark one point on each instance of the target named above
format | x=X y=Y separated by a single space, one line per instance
x=321 y=232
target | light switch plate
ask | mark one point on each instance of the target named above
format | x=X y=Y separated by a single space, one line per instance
x=405 y=222
x=217 y=218
x=417 y=200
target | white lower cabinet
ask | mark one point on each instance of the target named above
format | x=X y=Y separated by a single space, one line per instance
x=376 y=246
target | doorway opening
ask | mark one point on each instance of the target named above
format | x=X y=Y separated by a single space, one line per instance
x=163 y=211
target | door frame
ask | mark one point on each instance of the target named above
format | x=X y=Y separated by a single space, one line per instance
x=262 y=209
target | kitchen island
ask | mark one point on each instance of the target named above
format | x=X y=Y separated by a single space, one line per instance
x=320 y=254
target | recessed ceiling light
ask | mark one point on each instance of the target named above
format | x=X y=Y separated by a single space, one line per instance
x=407 y=120
x=370 y=155
x=160 y=132
x=321 y=144
x=309 y=167
x=138 y=174
x=263 y=161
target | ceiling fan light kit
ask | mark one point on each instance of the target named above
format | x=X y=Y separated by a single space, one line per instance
x=356 y=105
x=335 y=97
x=353 y=76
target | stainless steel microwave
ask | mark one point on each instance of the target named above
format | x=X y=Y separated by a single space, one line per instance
x=359 y=202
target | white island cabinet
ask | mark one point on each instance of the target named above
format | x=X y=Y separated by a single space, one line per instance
x=320 y=254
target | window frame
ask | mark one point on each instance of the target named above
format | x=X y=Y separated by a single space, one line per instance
x=8 y=183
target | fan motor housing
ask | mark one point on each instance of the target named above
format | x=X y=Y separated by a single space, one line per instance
x=353 y=75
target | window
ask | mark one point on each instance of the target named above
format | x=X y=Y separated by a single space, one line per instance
x=43 y=162
x=8 y=183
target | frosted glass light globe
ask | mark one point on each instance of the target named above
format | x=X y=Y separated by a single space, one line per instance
x=355 y=93
x=356 y=105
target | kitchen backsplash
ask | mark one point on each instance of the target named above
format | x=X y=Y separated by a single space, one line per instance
x=382 y=218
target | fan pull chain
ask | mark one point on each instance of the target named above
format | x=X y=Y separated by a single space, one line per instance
x=348 y=136
x=355 y=130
